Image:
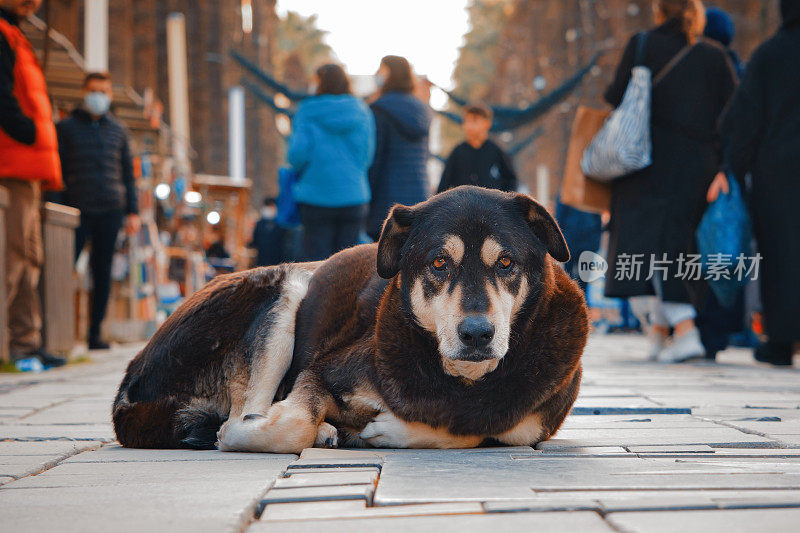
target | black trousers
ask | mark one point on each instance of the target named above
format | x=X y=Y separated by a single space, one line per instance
x=100 y=230
x=327 y=230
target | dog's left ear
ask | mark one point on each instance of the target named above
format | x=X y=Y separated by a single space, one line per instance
x=544 y=226
x=395 y=232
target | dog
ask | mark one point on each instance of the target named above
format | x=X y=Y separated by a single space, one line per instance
x=457 y=328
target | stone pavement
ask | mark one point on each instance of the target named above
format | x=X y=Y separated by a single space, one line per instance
x=649 y=447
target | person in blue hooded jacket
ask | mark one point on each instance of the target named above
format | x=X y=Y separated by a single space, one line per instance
x=399 y=172
x=331 y=148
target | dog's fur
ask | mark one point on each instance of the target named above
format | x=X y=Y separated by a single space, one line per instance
x=371 y=347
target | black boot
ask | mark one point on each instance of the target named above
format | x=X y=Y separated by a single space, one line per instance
x=774 y=353
x=48 y=360
x=97 y=344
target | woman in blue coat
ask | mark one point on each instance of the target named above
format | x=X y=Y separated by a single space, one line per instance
x=331 y=148
x=399 y=173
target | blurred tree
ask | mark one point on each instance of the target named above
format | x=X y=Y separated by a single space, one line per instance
x=476 y=61
x=475 y=66
x=301 y=49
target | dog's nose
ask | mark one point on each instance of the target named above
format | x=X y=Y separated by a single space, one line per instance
x=475 y=331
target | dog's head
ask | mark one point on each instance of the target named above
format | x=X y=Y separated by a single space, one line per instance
x=469 y=259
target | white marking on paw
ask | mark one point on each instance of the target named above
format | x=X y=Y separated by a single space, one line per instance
x=386 y=431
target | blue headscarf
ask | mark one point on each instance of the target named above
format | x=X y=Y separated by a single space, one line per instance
x=719 y=26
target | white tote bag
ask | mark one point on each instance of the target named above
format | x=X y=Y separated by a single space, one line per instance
x=623 y=144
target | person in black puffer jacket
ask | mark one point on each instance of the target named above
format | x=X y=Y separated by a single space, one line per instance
x=98 y=178
x=402 y=121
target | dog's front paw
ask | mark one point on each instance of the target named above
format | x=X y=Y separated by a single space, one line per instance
x=241 y=434
x=386 y=431
x=327 y=436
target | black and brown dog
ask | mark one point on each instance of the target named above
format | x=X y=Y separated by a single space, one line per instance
x=455 y=329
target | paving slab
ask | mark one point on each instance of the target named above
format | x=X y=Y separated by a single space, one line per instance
x=337 y=470
x=114 y=453
x=177 y=496
x=337 y=463
x=46 y=448
x=75 y=411
x=581 y=451
x=358 y=509
x=43 y=432
x=304 y=511
x=320 y=494
x=327 y=479
x=637 y=421
x=672 y=449
x=36 y=457
x=494 y=477
x=714 y=438
x=740 y=521
x=717 y=436
x=585 y=522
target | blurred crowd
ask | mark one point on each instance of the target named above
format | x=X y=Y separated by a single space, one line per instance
x=717 y=126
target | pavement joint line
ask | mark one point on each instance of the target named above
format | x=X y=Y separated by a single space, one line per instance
x=611 y=525
x=747 y=431
x=261 y=505
x=589 y=411
x=53 y=462
x=252 y=510
x=50 y=406
x=5 y=388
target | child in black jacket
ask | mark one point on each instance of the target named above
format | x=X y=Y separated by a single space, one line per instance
x=478 y=160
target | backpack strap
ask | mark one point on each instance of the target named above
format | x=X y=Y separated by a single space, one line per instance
x=641 y=48
x=672 y=63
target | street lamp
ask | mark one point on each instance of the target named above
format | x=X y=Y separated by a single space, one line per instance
x=213 y=217
x=193 y=197
x=162 y=191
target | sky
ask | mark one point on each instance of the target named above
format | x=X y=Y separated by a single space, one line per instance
x=427 y=32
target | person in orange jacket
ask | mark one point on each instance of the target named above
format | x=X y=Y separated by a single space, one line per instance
x=28 y=162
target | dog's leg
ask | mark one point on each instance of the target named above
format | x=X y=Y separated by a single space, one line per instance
x=388 y=431
x=327 y=436
x=269 y=365
x=289 y=426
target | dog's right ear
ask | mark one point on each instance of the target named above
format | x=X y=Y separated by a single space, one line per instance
x=390 y=246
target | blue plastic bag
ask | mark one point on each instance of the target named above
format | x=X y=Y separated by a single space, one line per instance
x=725 y=232
x=288 y=213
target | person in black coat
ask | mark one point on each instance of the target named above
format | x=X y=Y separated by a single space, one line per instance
x=715 y=321
x=399 y=170
x=268 y=236
x=655 y=211
x=478 y=160
x=762 y=137
x=98 y=178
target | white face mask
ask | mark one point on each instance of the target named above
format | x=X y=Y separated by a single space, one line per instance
x=380 y=80
x=97 y=103
x=269 y=212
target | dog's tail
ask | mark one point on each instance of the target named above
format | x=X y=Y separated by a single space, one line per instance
x=165 y=422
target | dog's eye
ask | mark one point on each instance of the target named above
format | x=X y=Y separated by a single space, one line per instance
x=505 y=262
x=440 y=264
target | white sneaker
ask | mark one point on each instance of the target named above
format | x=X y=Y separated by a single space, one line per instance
x=683 y=348
x=658 y=342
